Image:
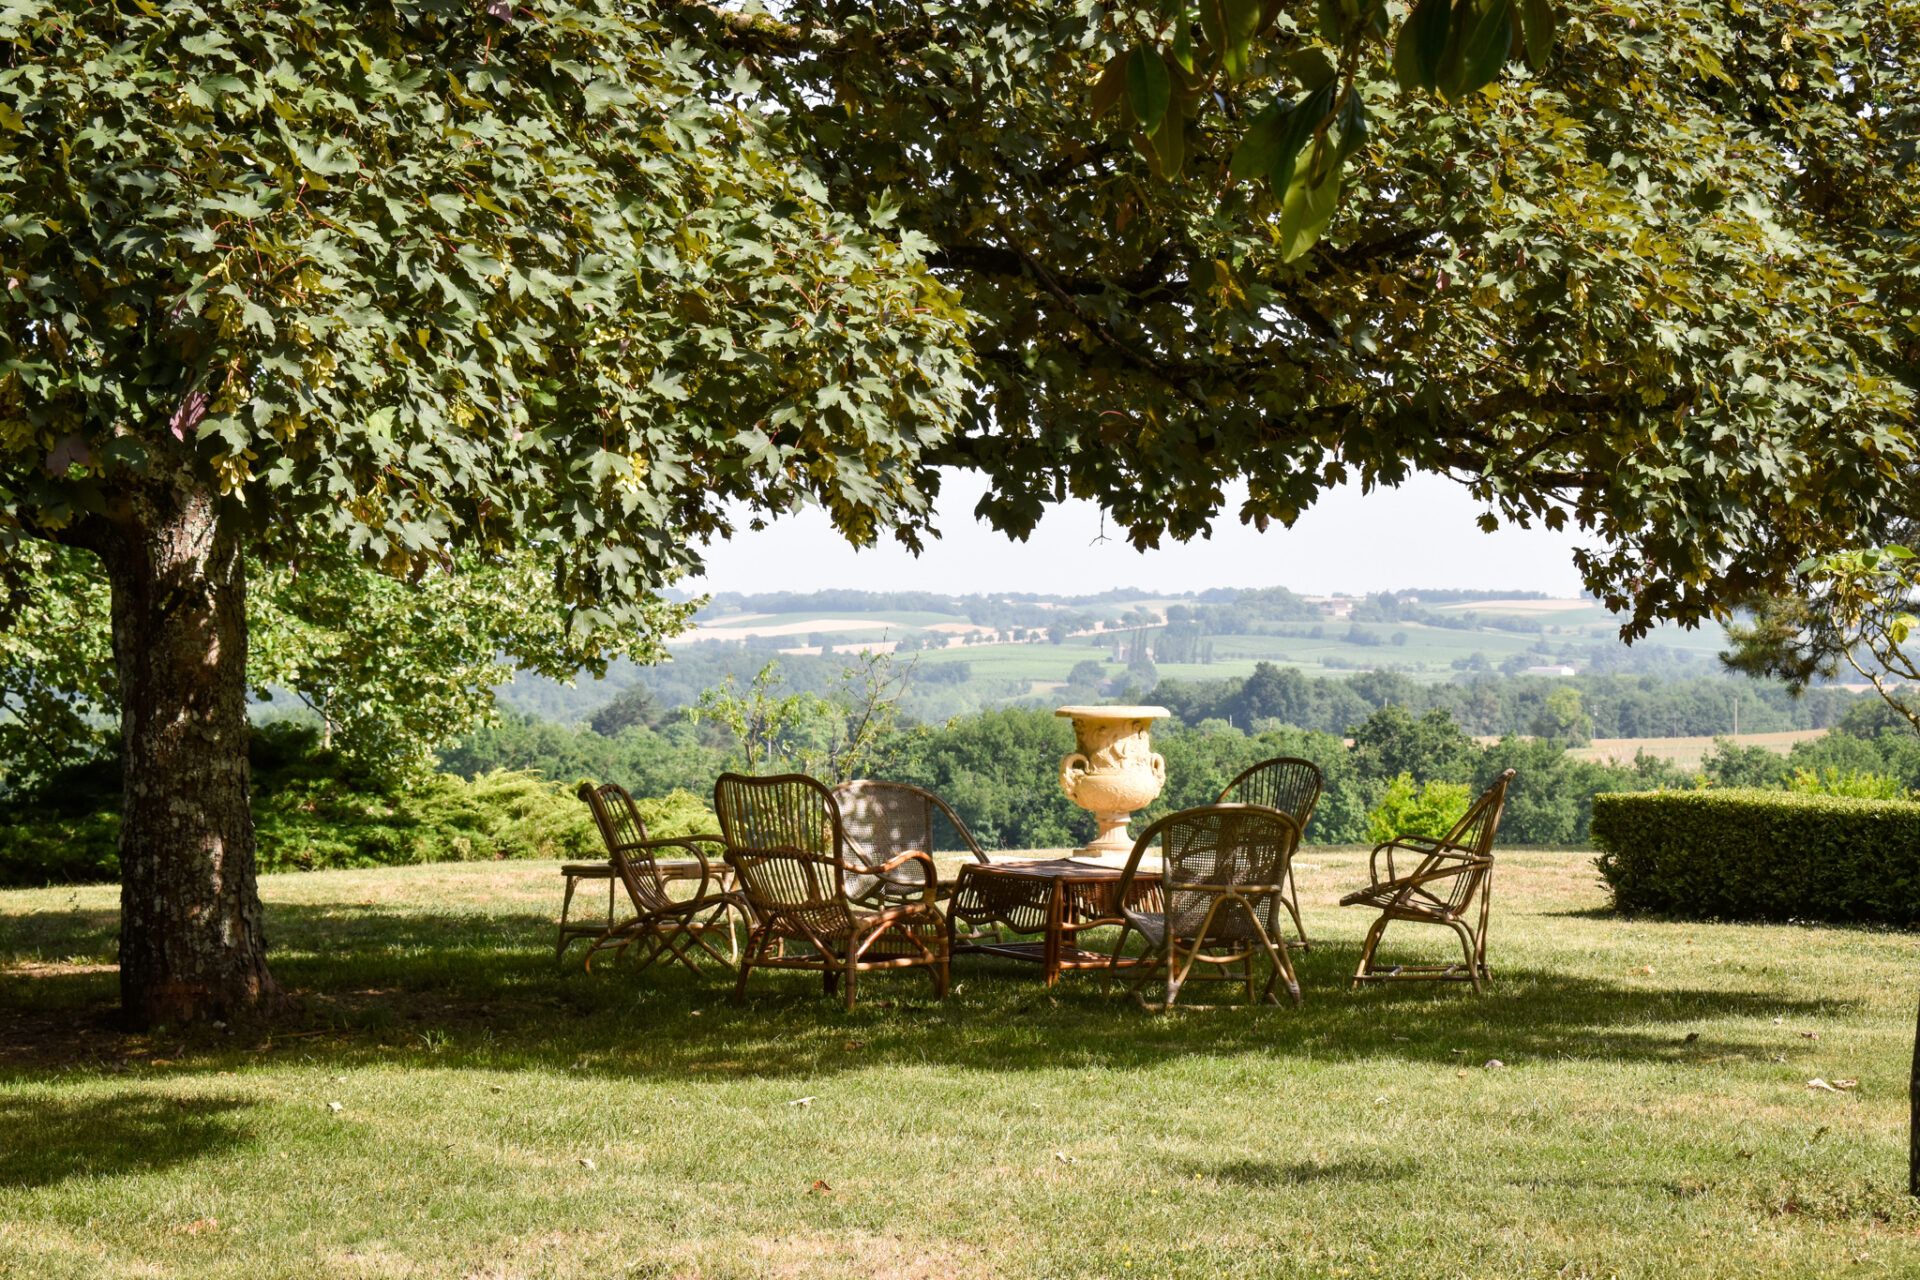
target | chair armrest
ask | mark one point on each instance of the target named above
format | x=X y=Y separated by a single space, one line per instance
x=960 y=828
x=1425 y=846
x=1406 y=884
x=894 y=864
x=692 y=845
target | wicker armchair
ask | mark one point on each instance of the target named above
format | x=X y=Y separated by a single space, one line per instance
x=662 y=925
x=884 y=820
x=1450 y=883
x=788 y=844
x=1292 y=786
x=1223 y=876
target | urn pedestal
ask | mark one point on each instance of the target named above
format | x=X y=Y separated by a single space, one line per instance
x=1113 y=773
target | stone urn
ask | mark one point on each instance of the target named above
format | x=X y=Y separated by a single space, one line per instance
x=1114 y=772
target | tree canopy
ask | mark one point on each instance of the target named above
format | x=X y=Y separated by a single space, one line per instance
x=1660 y=286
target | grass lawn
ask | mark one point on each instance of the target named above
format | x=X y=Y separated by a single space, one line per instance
x=501 y=1115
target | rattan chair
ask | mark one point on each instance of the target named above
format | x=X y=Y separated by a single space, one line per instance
x=1292 y=786
x=882 y=821
x=1450 y=883
x=662 y=925
x=787 y=842
x=1223 y=876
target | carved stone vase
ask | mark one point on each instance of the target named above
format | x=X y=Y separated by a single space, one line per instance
x=1113 y=773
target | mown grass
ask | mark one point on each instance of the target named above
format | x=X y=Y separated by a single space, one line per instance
x=501 y=1115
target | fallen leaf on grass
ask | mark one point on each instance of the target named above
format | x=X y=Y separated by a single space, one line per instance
x=586 y=1162
x=820 y=1188
x=1064 y=1158
x=333 y=1107
x=1809 y=1035
x=802 y=1102
x=852 y=1045
x=1836 y=1086
x=1693 y=1037
x=1494 y=1063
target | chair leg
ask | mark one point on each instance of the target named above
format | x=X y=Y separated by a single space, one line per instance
x=1366 y=955
x=851 y=972
x=1466 y=950
x=1119 y=947
x=1293 y=909
x=755 y=943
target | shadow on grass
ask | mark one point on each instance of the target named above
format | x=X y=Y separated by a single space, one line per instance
x=483 y=991
x=45 y=1140
x=1370 y=1169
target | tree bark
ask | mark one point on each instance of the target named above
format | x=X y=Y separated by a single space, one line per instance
x=192 y=945
x=1913 y=1118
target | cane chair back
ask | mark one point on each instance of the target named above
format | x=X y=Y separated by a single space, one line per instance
x=625 y=837
x=1292 y=786
x=1473 y=837
x=1286 y=783
x=1223 y=883
x=883 y=820
x=1223 y=869
x=786 y=840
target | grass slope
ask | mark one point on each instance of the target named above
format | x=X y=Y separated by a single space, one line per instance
x=501 y=1115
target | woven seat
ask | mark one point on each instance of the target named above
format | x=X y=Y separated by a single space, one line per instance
x=1292 y=786
x=884 y=821
x=787 y=842
x=1223 y=876
x=662 y=925
x=1450 y=884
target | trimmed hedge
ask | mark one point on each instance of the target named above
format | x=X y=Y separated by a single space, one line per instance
x=1748 y=854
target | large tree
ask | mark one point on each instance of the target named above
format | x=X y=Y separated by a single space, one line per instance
x=413 y=281
x=406 y=282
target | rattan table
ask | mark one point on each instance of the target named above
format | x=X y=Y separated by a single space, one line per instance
x=1053 y=897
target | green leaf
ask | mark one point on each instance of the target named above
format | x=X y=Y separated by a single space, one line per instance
x=1311 y=67
x=1482 y=50
x=1259 y=148
x=1540 y=23
x=1108 y=88
x=1241 y=23
x=1309 y=203
x=1302 y=119
x=1148 y=87
x=1183 y=44
x=1170 y=146
x=1423 y=45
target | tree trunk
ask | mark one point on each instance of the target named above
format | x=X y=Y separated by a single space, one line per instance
x=192 y=947
x=1913 y=1118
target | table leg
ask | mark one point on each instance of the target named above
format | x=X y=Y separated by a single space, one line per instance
x=1056 y=926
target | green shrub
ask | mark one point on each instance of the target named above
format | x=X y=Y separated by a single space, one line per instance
x=1835 y=781
x=311 y=812
x=1409 y=808
x=678 y=813
x=1760 y=855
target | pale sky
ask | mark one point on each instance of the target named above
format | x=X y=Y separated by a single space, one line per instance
x=1419 y=535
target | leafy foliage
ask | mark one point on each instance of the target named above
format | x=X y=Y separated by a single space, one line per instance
x=1657 y=284
x=1409 y=808
x=313 y=810
x=1766 y=855
x=403 y=276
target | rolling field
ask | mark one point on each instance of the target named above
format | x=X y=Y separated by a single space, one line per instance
x=1687 y=752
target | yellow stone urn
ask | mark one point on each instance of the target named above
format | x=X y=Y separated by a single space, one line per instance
x=1114 y=773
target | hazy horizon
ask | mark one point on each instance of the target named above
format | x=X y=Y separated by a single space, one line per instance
x=1422 y=534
